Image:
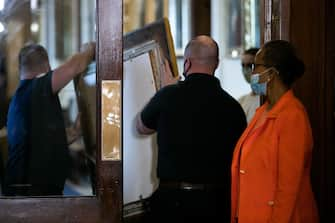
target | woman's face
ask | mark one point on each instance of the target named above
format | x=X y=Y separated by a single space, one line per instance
x=262 y=75
x=259 y=67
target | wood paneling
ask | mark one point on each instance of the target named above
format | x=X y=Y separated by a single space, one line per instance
x=309 y=26
x=110 y=61
x=329 y=122
x=109 y=24
x=280 y=19
x=308 y=33
x=51 y=210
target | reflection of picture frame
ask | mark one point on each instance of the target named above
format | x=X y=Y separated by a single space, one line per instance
x=105 y=206
x=85 y=87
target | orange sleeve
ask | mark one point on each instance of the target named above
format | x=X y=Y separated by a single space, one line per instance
x=295 y=140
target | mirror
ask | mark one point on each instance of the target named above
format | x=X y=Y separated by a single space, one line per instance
x=61 y=26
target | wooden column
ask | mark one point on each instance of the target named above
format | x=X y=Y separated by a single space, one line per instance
x=309 y=27
x=110 y=62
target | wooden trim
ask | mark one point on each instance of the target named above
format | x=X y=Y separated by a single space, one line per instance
x=267 y=20
x=277 y=19
x=262 y=22
x=284 y=19
x=329 y=207
x=51 y=210
x=309 y=27
x=109 y=67
x=109 y=40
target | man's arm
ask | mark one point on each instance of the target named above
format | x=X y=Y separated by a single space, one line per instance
x=150 y=112
x=168 y=77
x=72 y=67
x=74 y=132
x=141 y=128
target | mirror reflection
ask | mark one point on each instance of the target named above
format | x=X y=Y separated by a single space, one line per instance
x=44 y=45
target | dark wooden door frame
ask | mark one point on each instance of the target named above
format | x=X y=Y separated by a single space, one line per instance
x=309 y=26
x=107 y=205
x=276 y=23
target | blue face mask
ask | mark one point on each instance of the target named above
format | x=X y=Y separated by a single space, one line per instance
x=259 y=88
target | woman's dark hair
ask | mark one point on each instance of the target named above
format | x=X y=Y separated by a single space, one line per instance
x=281 y=55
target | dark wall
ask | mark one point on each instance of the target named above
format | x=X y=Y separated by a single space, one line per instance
x=312 y=32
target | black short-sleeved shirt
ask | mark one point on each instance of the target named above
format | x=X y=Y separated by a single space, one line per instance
x=38 y=152
x=198 y=125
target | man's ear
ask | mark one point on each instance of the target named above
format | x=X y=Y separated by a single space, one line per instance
x=186 y=63
x=46 y=66
x=217 y=63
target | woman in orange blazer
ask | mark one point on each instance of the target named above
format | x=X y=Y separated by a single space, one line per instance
x=272 y=159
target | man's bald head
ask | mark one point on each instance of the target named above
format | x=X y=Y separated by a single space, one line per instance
x=203 y=49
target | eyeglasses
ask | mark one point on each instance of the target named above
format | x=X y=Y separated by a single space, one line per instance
x=254 y=65
x=247 y=65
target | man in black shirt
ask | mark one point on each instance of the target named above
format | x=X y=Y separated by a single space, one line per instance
x=38 y=156
x=197 y=125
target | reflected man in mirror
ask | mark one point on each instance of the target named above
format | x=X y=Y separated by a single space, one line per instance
x=251 y=101
x=197 y=125
x=38 y=156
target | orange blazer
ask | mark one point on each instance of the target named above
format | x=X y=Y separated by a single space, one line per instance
x=271 y=180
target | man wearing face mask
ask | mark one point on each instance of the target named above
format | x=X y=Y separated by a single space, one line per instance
x=251 y=101
x=197 y=125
